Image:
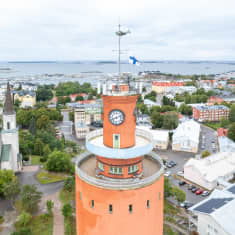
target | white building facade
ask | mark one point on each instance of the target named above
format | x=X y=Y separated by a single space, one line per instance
x=186 y=137
x=208 y=171
x=10 y=158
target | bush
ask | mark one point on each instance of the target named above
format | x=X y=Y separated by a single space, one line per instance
x=69 y=184
x=67 y=210
x=23 y=231
x=206 y=153
x=24 y=219
x=59 y=162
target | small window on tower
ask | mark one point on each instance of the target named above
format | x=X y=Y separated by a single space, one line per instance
x=130 y=208
x=148 y=204
x=92 y=204
x=110 y=209
x=8 y=125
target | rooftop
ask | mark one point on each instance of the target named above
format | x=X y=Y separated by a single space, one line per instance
x=212 y=107
x=152 y=170
x=143 y=145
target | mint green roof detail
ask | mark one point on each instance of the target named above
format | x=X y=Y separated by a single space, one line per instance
x=5 y=154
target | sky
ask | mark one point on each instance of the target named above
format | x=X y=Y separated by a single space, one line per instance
x=85 y=29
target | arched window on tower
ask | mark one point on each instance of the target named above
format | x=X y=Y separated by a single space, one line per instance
x=8 y=125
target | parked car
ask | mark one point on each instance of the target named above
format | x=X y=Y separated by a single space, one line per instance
x=205 y=193
x=169 y=165
x=188 y=204
x=173 y=163
x=203 y=147
x=180 y=173
x=190 y=186
x=194 y=190
x=199 y=191
x=167 y=173
x=182 y=183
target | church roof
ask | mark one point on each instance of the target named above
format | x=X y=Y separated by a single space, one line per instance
x=8 y=106
x=5 y=153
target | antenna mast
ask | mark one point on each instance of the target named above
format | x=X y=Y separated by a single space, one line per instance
x=120 y=33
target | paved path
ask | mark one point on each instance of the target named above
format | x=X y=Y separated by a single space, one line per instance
x=58 y=227
x=177 y=228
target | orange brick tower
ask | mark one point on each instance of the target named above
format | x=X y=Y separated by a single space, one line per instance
x=119 y=180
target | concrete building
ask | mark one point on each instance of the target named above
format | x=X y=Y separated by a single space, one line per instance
x=206 y=172
x=84 y=116
x=213 y=113
x=10 y=158
x=162 y=86
x=186 y=137
x=215 y=214
x=180 y=89
x=27 y=98
x=213 y=100
x=149 y=103
x=119 y=182
x=160 y=137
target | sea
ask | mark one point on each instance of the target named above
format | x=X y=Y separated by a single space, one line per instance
x=53 y=72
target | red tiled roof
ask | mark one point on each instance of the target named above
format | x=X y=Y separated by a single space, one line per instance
x=222 y=132
x=167 y=84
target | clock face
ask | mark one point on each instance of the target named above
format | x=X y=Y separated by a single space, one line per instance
x=116 y=117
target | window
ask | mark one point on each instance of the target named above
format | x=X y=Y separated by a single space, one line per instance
x=148 y=204
x=116 y=140
x=159 y=196
x=8 y=125
x=80 y=196
x=110 y=209
x=130 y=208
x=115 y=170
x=101 y=166
x=132 y=169
x=92 y=204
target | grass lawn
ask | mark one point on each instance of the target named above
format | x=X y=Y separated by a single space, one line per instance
x=40 y=226
x=70 y=226
x=45 y=177
x=35 y=160
x=213 y=125
x=66 y=196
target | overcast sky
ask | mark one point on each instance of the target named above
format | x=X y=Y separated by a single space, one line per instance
x=85 y=29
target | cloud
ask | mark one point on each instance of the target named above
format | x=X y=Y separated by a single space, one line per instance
x=83 y=30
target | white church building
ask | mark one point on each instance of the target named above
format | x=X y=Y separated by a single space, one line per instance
x=10 y=158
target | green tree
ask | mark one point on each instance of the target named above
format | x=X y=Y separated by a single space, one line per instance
x=170 y=121
x=44 y=93
x=6 y=177
x=38 y=147
x=11 y=190
x=71 y=116
x=206 y=153
x=33 y=126
x=143 y=108
x=231 y=132
x=179 y=194
x=79 y=98
x=30 y=198
x=67 y=210
x=42 y=122
x=24 y=218
x=156 y=119
x=50 y=205
x=59 y=162
x=69 y=184
x=224 y=122
x=90 y=97
x=232 y=113
x=168 y=190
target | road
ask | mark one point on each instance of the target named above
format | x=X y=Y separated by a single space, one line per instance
x=210 y=135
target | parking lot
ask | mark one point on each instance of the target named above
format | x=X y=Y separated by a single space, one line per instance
x=180 y=158
x=206 y=141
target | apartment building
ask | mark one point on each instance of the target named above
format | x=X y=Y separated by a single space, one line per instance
x=85 y=115
x=161 y=86
x=212 y=113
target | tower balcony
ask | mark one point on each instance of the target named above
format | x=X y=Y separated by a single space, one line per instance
x=153 y=169
x=143 y=145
